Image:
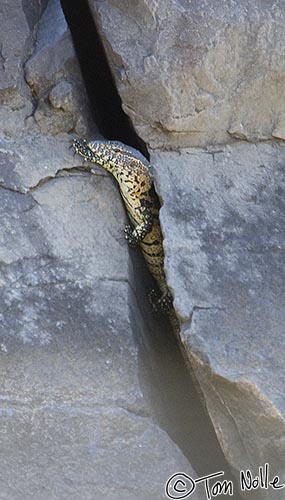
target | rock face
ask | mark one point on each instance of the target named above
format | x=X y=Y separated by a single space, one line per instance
x=199 y=72
x=73 y=415
x=223 y=224
x=74 y=420
x=53 y=75
x=41 y=88
x=19 y=20
x=196 y=74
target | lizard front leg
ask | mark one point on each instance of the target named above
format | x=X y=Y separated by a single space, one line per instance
x=136 y=235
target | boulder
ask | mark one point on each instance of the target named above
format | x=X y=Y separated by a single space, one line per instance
x=200 y=72
x=73 y=414
x=19 y=21
x=41 y=87
x=223 y=219
x=53 y=75
x=75 y=421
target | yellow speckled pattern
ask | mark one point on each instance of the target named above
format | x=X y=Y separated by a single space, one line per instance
x=132 y=173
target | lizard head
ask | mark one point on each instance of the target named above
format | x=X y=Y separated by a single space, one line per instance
x=81 y=147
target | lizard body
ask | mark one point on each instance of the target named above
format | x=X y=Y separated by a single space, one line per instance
x=131 y=171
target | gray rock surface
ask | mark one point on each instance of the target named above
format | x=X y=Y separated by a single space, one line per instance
x=53 y=75
x=223 y=219
x=18 y=22
x=75 y=423
x=199 y=72
x=75 y=419
x=41 y=88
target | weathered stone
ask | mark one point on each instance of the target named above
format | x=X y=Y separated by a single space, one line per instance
x=76 y=450
x=75 y=422
x=27 y=161
x=33 y=88
x=33 y=10
x=17 y=31
x=54 y=76
x=73 y=416
x=61 y=97
x=199 y=72
x=223 y=219
x=18 y=22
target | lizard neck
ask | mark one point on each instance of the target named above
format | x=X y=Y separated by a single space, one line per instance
x=105 y=158
x=107 y=164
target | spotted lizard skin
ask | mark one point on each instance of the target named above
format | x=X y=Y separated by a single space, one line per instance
x=132 y=173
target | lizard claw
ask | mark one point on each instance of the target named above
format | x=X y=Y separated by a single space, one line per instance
x=153 y=299
x=162 y=304
x=129 y=237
